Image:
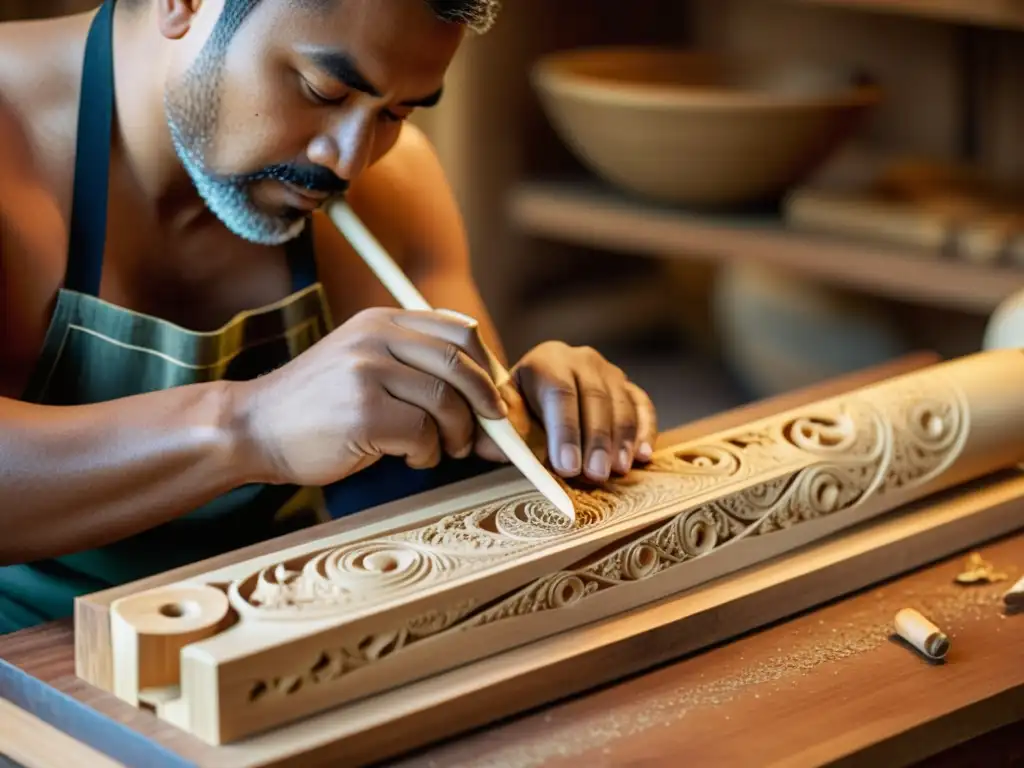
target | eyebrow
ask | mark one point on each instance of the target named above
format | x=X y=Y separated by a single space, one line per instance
x=340 y=66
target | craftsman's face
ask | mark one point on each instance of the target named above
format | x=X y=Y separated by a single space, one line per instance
x=302 y=98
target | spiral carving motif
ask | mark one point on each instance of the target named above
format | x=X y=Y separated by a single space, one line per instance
x=338 y=577
x=857 y=447
x=377 y=566
x=535 y=518
x=698 y=461
x=835 y=433
x=751 y=504
x=697 y=531
x=640 y=561
x=929 y=437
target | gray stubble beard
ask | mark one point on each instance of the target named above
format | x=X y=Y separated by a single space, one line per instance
x=191 y=110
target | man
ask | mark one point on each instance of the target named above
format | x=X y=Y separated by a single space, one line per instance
x=170 y=373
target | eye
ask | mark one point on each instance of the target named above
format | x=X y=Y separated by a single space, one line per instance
x=317 y=97
x=390 y=117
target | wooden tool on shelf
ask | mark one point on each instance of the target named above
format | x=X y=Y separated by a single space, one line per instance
x=349 y=619
x=405 y=293
x=935 y=208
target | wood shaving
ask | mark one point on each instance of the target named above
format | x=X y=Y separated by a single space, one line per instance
x=978 y=570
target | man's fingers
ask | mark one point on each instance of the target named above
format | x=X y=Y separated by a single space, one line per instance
x=446 y=360
x=597 y=414
x=453 y=327
x=455 y=422
x=560 y=409
x=624 y=431
x=646 y=422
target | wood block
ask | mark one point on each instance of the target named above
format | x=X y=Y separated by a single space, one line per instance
x=94 y=664
x=362 y=616
x=507 y=684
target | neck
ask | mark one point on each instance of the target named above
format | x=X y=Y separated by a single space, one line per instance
x=141 y=136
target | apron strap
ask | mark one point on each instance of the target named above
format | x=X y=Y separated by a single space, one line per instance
x=302 y=258
x=88 y=234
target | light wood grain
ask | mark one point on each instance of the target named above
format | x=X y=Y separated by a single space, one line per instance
x=481 y=693
x=608 y=649
x=369 y=614
x=46 y=652
x=92 y=612
x=35 y=744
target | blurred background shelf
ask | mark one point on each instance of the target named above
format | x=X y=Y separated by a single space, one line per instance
x=589 y=213
x=1005 y=14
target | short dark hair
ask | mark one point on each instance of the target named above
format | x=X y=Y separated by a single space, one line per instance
x=478 y=15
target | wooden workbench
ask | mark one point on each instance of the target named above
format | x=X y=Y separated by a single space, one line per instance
x=828 y=687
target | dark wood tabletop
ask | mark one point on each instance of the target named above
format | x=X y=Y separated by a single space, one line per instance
x=829 y=687
x=832 y=683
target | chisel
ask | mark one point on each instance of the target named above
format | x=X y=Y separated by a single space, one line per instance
x=501 y=431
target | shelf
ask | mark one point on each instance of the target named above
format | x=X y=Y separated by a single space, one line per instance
x=588 y=214
x=1004 y=14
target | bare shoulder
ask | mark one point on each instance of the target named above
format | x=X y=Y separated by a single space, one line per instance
x=40 y=67
x=38 y=111
x=411 y=170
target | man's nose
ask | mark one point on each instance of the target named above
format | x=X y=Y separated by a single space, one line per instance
x=346 y=149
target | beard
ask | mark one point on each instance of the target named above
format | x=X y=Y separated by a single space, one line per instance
x=191 y=110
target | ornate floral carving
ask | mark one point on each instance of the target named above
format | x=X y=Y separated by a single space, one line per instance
x=334 y=663
x=325 y=582
x=816 y=463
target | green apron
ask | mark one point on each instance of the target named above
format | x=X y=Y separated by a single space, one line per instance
x=95 y=351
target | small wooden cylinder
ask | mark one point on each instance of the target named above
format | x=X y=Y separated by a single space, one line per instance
x=1014 y=596
x=149 y=630
x=922 y=634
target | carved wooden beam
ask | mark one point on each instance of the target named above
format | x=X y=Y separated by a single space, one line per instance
x=273 y=639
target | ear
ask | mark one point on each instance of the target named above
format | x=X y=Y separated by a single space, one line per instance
x=175 y=17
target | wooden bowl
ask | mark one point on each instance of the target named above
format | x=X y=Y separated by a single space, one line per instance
x=696 y=128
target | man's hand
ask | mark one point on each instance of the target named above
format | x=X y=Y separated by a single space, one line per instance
x=596 y=420
x=410 y=384
x=386 y=382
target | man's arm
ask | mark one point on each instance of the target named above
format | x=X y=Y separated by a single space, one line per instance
x=74 y=478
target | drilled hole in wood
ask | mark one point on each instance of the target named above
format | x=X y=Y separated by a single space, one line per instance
x=257 y=691
x=645 y=557
x=179 y=610
x=931 y=424
x=321 y=664
x=381 y=562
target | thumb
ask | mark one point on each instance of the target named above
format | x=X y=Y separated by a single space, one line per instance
x=520 y=417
